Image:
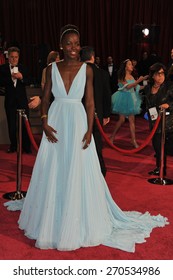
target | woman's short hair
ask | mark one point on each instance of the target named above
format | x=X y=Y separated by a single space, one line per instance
x=154 y=69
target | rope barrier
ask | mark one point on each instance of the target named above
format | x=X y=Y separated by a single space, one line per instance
x=146 y=142
x=34 y=144
x=18 y=194
x=142 y=146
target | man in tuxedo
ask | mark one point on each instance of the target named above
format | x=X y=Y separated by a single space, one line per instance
x=13 y=77
x=170 y=64
x=111 y=68
x=102 y=99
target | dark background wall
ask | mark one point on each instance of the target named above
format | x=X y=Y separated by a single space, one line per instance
x=108 y=25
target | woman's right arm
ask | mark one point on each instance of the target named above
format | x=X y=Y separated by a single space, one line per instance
x=46 y=92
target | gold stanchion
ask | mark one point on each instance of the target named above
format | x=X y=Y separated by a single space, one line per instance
x=161 y=180
x=18 y=194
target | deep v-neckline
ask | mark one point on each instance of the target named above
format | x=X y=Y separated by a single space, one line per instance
x=67 y=92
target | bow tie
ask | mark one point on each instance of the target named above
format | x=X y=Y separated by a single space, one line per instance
x=13 y=66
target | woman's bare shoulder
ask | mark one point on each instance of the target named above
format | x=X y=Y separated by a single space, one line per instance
x=89 y=69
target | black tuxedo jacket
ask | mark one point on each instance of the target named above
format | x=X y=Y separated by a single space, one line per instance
x=102 y=99
x=14 y=96
x=102 y=92
x=113 y=77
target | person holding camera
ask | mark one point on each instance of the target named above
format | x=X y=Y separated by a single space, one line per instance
x=13 y=77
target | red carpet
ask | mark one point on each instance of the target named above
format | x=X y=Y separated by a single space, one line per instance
x=127 y=180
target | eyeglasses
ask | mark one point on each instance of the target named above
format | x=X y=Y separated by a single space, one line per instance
x=160 y=73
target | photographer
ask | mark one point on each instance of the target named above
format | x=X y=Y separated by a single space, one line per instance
x=13 y=78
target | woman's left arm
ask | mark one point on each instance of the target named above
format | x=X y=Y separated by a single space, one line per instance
x=89 y=105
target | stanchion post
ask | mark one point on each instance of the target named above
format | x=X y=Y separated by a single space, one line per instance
x=18 y=194
x=161 y=180
x=162 y=144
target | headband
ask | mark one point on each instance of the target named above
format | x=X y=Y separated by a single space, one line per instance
x=126 y=60
x=70 y=29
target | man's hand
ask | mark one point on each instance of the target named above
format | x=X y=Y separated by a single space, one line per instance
x=35 y=102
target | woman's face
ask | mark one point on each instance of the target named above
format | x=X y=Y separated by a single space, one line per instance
x=71 y=46
x=159 y=77
x=129 y=66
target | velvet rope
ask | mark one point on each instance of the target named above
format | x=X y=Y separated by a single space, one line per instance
x=146 y=142
x=34 y=144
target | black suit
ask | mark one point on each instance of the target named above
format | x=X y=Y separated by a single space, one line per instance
x=113 y=77
x=102 y=99
x=170 y=64
x=15 y=98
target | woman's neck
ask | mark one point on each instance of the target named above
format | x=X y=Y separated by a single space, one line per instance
x=156 y=85
x=128 y=76
x=155 y=88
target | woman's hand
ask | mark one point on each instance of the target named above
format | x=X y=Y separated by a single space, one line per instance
x=50 y=131
x=145 y=77
x=86 y=140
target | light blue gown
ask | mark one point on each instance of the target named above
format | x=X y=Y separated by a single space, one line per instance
x=68 y=204
x=126 y=101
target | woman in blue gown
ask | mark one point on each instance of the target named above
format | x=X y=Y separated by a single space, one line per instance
x=127 y=100
x=68 y=204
